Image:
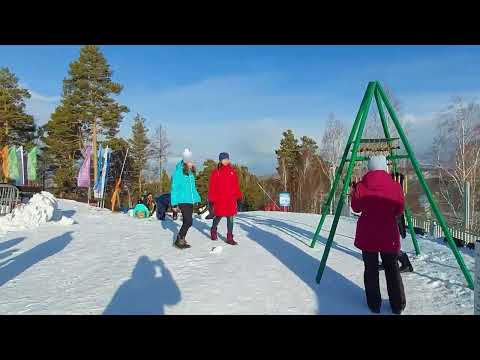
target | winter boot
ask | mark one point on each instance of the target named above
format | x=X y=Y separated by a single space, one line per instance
x=397 y=311
x=375 y=310
x=213 y=234
x=230 y=239
x=181 y=243
x=405 y=264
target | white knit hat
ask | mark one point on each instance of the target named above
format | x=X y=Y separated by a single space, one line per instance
x=187 y=155
x=378 y=162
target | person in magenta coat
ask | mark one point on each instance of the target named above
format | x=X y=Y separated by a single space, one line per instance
x=223 y=193
x=380 y=201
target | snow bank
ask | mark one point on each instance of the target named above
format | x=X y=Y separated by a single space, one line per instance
x=40 y=209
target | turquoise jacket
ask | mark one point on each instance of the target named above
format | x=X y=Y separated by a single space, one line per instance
x=183 y=190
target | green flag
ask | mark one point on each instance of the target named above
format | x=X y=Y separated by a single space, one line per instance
x=32 y=165
x=13 y=172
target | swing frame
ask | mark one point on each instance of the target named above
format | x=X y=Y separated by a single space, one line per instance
x=374 y=89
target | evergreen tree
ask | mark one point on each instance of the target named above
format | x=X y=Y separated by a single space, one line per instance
x=87 y=91
x=252 y=194
x=203 y=177
x=166 y=182
x=61 y=150
x=16 y=127
x=287 y=156
x=139 y=144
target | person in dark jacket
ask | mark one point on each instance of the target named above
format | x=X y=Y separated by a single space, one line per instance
x=380 y=201
x=163 y=204
x=150 y=203
x=223 y=193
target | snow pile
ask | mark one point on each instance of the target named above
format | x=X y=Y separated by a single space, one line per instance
x=40 y=209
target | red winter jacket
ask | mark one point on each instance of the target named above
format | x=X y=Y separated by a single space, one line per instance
x=380 y=200
x=224 y=191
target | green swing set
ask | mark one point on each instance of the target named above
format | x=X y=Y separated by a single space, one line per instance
x=356 y=145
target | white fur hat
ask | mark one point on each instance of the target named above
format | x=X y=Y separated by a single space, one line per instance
x=378 y=162
x=187 y=155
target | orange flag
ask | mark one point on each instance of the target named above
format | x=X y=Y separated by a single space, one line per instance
x=4 y=154
x=115 y=194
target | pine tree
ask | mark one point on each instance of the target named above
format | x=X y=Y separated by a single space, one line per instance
x=16 y=127
x=61 y=150
x=87 y=91
x=252 y=194
x=203 y=178
x=287 y=156
x=139 y=144
x=166 y=182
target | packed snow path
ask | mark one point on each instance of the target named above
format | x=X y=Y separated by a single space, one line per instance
x=112 y=264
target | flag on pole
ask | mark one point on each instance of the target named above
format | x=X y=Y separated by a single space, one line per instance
x=13 y=172
x=83 y=179
x=106 y=156
x=5 y=162
x=98 y=169
x=32 y=165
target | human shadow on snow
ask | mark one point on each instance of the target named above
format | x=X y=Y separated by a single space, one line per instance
x=335 y=294
x=146 y=292
x=13 y=267
x=294 y=231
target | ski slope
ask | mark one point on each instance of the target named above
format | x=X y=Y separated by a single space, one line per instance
x=109 y=263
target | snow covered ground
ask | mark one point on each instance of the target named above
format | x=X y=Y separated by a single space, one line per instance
x=108 y=263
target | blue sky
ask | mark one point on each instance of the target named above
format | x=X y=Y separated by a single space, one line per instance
x=240 y=98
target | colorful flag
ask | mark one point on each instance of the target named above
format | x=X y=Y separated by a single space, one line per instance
x=83 y=179
x=13 y=172
x=5 y=162
x=106 y=157
x=32 y=165
x=98 y=169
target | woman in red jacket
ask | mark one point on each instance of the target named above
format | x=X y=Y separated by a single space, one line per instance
x=380 y=200
x=223 y=193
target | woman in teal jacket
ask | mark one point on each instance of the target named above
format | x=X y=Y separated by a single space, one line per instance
x=184 y=195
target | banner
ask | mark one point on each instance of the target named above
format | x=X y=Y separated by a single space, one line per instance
x=106 y=157
x=5 y=162
x=13 y=172
x=98 y=169
x=32 y=165
x=83 y=179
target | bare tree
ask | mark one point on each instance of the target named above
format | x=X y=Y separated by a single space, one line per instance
x=159 y=150
x=333 y=143
x=456 y=155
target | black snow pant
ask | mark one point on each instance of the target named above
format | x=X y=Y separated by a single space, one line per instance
x=396 y=292
x=217 y=219
x=187 y=219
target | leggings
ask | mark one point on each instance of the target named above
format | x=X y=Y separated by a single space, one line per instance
x=217 y=219
x=187 y=212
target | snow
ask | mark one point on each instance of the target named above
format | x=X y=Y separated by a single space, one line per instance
x=110 y=263
x=40 y=209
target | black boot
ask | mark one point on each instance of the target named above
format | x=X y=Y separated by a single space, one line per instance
x=405 y=264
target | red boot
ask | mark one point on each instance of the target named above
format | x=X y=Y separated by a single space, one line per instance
x=230 y=239
x=213 y=234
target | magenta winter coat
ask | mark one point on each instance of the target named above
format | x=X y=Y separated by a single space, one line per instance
x=380 y=200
